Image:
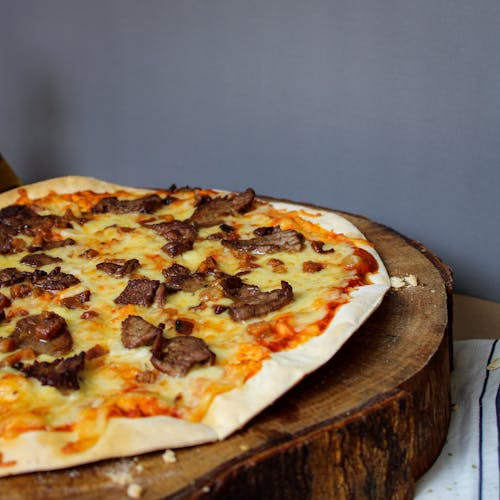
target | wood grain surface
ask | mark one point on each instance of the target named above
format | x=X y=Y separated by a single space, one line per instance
x=365 y=425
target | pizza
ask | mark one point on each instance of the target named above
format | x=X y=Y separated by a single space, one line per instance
x=134 y=320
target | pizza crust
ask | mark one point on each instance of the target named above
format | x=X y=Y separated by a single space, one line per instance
x=67 y=184
x=39 y=450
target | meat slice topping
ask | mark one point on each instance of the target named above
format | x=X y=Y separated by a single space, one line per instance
x=317 y=246
x=211 y=211
x=310 y=266
x=10 y=276
x=45 y=333
x=22 y=219
x=251 y=302
x=180 y=236
x=4 y=301
x=39 y=259
x=55 y=280
x=6 y=243
x=140 y=292
x=42 y=242
x=184 y=326
x=20 y=290
x=119 y=270
x=144 y=205
x=137 y=332
x=272 y=242
x=176 y=356
x=61 y=373
x=178 y=278
x=235 y=288
x=76 y=301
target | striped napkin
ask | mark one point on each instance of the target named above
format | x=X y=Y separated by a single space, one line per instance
x=469 y=467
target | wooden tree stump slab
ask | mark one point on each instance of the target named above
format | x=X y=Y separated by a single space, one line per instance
x=365 y=425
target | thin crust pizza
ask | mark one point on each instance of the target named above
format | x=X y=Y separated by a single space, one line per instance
x=134 y=320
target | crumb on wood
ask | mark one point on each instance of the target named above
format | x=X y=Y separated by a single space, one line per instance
x=169 y=457
x=120 y=472
x=409 y=280
x=244 y=447
x=134 y=490
x=120 y=477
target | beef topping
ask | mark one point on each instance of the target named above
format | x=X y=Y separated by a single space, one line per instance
x=97 y=351
x=50 y=326
x=178 y=355
x=10 y=276
x=61 y=373
x=234 y=287
x=209 y=265
x=7 y=344
x=160 y=295
x=89 y=254
x=317 y=246
x=180 y=236
x=174 y=248
x=312 y=267
x=277 y=265
x=41 y=242
x=255 y=304
x=211 y=211
x=20 y=290
x=45 y=333
x=76 y=301
x=119 y=270
x=266 y=230
x=169 y=199
x=137 y=332
x=55 y=280
x=140 y=292
x=39 y=259
x=144 y=205
x=277 y=241
x=17 y=219
x=22 y=219
x=146 y=377
x=17 y=357
x=15 y=216
x=6 y=241
x=226 y=228
x=89 y=314
x=180 y=278
x=184 y=326
x=4 y=301
x=219 y=309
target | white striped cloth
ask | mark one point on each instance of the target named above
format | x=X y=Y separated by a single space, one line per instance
x=469 y=465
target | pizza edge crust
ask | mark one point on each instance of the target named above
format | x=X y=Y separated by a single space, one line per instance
x=40 y=450
x=66 y=184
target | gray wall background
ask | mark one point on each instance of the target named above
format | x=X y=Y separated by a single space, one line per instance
x=390 y=109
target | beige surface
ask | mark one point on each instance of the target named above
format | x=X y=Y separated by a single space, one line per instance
x=475 y=318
